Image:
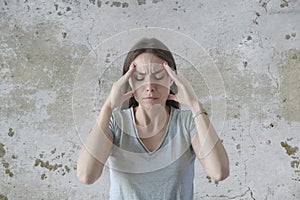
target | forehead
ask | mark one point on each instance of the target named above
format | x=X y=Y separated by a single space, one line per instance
x=148 y=60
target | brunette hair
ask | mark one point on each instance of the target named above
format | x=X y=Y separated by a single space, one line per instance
x=157 y=48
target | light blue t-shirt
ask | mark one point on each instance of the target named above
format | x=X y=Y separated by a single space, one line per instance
x=165 y=174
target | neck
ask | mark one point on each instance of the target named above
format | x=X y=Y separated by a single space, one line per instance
x=156 y=114
x=150 y=122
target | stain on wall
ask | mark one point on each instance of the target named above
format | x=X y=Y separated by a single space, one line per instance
x=284 y=4
x=292 y=151
x=289 y=90
x=11 y=132
x=7 y=170
x=35 y=87
x=243 y=86
x=3 y=197
x=5 y=164
x=2 y=150
x=44 y=43
x=141 y=2
x=289 y=149
x=118 y=4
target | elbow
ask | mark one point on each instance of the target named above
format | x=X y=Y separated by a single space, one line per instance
x=84 y=178
x=88 y=173
x=222 y=175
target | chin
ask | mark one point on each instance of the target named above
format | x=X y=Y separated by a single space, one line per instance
x=152 y=105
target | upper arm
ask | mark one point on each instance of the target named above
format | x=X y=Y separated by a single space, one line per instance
x=94 y=154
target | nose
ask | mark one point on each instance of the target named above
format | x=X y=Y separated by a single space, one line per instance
x=149 y=84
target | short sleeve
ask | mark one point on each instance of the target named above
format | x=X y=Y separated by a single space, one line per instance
x=112 y=127
x=190 y=123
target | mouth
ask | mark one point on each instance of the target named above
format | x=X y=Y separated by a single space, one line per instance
x=150 y=98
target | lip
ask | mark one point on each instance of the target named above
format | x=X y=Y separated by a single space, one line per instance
x=150 y=98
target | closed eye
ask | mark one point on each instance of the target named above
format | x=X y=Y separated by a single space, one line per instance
x=159 y=78
x=139 y=78
x=158 y=75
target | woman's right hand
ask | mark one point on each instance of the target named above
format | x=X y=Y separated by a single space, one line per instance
x=117 y=94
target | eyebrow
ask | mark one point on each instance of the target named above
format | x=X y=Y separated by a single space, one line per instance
x=157 y=72
x=140 y=72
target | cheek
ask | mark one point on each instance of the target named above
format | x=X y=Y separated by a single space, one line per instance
x=137 y=92
x=164 y=87
x=137 y=85
x=164 y=91
x=134 y=84
x=166 y=83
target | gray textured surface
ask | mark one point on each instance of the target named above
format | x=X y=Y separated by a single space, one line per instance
x=44 y=49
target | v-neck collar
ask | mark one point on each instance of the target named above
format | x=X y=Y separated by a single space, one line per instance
x=141 y=142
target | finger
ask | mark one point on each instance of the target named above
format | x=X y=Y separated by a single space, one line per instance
x=179 y=80
x=172 y=97
x=170 y=72
x=130 y=71
x=128 y=74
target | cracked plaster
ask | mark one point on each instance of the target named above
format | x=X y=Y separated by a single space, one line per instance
x=255 y=46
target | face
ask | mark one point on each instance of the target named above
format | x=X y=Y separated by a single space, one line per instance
x=150 y=81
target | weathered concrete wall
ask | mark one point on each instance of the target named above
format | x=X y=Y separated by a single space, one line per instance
x=254 y=44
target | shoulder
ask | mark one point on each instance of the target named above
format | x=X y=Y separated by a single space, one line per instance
x=182 y=115
x=122 y=118
x=122 y=113
x=184 y=119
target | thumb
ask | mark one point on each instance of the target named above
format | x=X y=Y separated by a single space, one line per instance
x=172 y=97
x=127 y=95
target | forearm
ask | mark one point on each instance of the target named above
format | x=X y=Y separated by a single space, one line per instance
x=96 y=149
x=208 y=146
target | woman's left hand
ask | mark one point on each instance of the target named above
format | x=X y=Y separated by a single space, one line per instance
x=185 y=94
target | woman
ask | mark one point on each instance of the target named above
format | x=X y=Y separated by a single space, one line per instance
x=151 y=144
